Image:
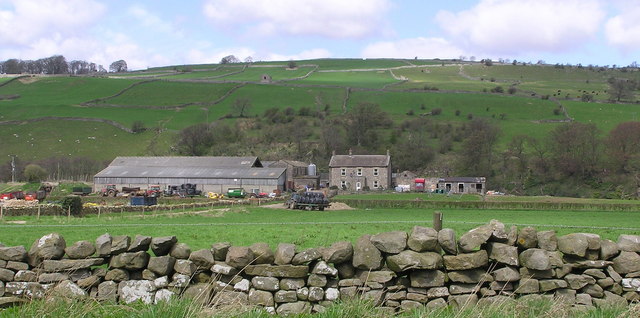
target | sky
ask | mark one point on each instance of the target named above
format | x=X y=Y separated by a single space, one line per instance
x=149 y=33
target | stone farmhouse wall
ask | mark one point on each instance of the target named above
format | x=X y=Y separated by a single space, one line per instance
x=396 y=270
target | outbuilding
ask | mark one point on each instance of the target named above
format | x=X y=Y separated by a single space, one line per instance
x=462 y=185
x=215 y=174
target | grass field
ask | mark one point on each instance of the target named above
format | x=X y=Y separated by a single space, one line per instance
x=164 y=93
x=244 y=225
x=365 y=79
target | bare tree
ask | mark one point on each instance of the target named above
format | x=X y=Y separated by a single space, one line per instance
x=229 y=59
x=241 y=107
x=621 y=88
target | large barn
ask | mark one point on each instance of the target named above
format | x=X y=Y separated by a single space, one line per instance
x=215 y=174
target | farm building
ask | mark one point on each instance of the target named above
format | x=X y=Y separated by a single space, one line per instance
x=216 y=174
x=360 y=172
x=463 y=185
x=299 y=174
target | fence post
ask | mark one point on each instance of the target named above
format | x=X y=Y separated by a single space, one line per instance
x=99 y=208
x=437 y=220
x=69 y=213
x=1 y=212
x=143 y=211
x=38 y=212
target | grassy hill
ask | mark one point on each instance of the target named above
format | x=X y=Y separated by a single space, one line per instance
x=91 y=117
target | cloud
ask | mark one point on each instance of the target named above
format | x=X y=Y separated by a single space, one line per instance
x=214 y=55
x=330 y=18
x=623 y=30
x=152 y=21
x=25 y=21
x=523 y=26
x=410 y=48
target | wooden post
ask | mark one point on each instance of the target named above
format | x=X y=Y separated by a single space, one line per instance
x=1 y=212
x=437 y=220
x=143 y=211
x=38 y=212
x=184 y=207
x=69 y=213
x=99 y=208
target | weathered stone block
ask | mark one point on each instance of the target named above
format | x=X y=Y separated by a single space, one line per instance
x=535 y=258
x=547 y=240
x=427 y=278
x=15 y=253
x=528 y=238
x=239 y=256
x=130 y=261
x=472 y=276
x=447 y=240
x=180 y=251
x=289 y=271
x=573 y=244
x=285 y=296
x=474 y=238
x=317 y=280
x=506 y=274
x=423 y=239
x=339 y=252
x=120 y=244
x=140 y=244
x=626 y=262
x=261 y=298
x=266 y=283
x=284 y=253
x=466 y=261
x=50 y=246
x=219 y=250
x=365 y=255
x=306 y=256
x=262 y=253
x=185 y=267
x=409 y=259
x=503 y=253
x=299 y=307
x=117 y=275
x=528 y=286
x=108 y=291
x=134 y=290
x=162 y=245
x=578 y=281
x=161 y=265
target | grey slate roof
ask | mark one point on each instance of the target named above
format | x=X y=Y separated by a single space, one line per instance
x=359 y=161
x=189 y=172
x=210 y=162
x=463 y=179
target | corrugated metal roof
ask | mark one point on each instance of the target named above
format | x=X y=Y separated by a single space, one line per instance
x=190 y=172
x=463 y=179
x=359 y=161
x=211 y=162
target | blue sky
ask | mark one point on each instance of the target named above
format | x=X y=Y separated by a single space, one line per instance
x=148 y=33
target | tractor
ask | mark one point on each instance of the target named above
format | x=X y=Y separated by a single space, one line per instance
x=110 y=191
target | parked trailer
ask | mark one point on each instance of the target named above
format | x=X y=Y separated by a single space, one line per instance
x=308 y=201
x=81 y=190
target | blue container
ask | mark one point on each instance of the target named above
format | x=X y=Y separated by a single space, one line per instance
x=138 y=201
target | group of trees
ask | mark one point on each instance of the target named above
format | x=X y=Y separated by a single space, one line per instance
x=54 y=168
x=57 y=64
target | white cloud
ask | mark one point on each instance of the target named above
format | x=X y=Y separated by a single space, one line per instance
x=623 y=30
x=214 y=55
x=331 y=18
x=25 y=21
x=523 y=26
x=152 y=21
x=304 y=55
x=410 y=48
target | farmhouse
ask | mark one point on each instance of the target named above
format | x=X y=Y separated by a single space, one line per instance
x=360 y=172
x=462 y=185
x=216 y=174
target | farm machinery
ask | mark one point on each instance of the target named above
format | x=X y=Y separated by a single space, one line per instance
x=183 y=190
x=112 y=191
x=308 y=201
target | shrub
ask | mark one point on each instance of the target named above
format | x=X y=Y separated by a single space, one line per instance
x=410 y=112
x=457 y=112
x=436 y=111
x=74 y=203
x=545 y=97
x=138 y=127
x=34 y=173
x=512 y=90
x=557 y=111
x=497 y=89
x=470 y=116
x=304 y=111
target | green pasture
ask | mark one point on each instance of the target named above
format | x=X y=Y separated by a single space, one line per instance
x=263 y=97
x=606 y=116
x=165 y=93
x=217 y=73
x=410 y=196
x=58 y=91
x=143 y=74
x=244 y=225
x=54 y=138
x=254 y=74
x=365 y=79
x=348 y=64
x=440 y=77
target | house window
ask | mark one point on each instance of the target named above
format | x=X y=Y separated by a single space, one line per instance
x=375 y=184
x=359 y=172
x=343 y=172
x=376 y=173
x=343 y=184
x=358 y=186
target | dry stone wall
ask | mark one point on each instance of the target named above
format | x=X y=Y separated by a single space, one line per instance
x=395 y=270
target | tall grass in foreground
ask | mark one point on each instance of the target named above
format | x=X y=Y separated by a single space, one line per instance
x=353 y=308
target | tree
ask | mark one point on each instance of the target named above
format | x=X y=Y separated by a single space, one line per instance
x=56 y=64
x=12 y=66
x=621 y=88
x=475 y=157
x=138 y=127
x=229 y=59
x=292 y=64
x=118 y=66
x=195 y=140
x=574 y=149
x=241 y=107
x=623 y=145
x=248 y=59
x=34 y=173
x=412 y=152
x=361 y=122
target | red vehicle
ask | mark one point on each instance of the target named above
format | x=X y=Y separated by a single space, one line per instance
x=154 y=191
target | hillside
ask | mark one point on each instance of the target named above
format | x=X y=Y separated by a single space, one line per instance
x=291 y=113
